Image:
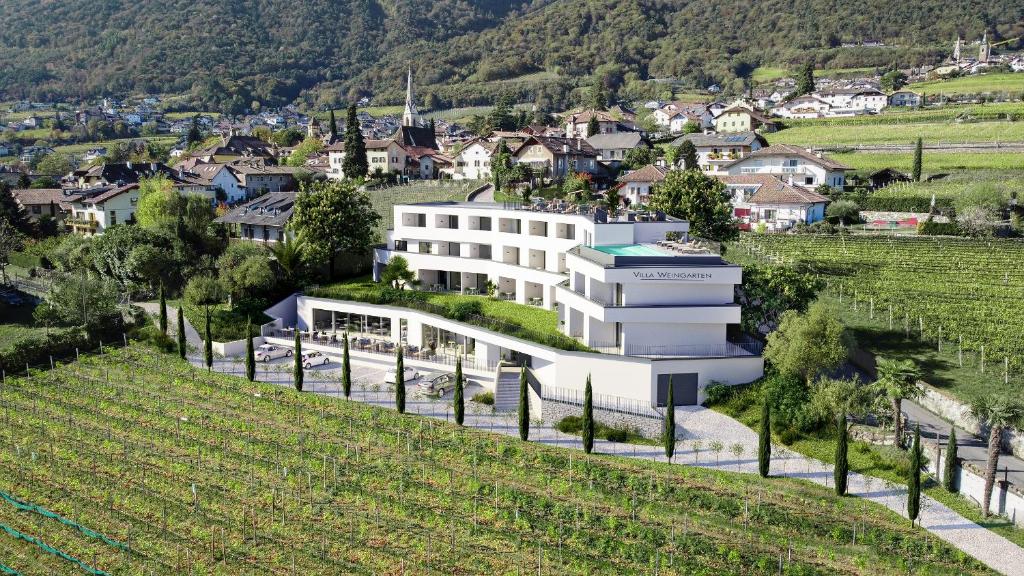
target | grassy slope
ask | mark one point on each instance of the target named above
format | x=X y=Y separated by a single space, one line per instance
x=933 y=162
x=972 y=84
x=393 y=492
x=1005 y=181
x=826 y=135
x=384 y=199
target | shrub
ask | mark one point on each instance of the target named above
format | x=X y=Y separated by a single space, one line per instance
x=485 y=398
x=717 y=394
x=788 y=436
x=932 y=228
x=463 y=309
x=152 y=335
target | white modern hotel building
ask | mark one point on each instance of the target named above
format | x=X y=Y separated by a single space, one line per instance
x=645 y=308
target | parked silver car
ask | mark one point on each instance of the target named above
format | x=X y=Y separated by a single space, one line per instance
x=314 y=358
x=267 y=352
x=438 y=384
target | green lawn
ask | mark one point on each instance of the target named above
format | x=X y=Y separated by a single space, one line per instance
x=184 y=115
x=378 y=111
x=1005 y=181
x=15 y=324
x=933 y=162
x=226 y=324
x=976 y=83
x=384 y=199
x=884 y=462
x=823 y=136
x=932 y=114
x=520 y=320
x=768 y=73
x=83 y=147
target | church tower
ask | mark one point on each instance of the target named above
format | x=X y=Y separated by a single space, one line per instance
x=956 y=49
x=410 y=117
x=984 y=51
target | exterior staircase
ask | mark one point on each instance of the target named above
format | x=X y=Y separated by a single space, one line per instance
x=506 y=388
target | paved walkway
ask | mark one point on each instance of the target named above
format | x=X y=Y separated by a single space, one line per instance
x=699 y=428
x=484 y=195
x=968 y=446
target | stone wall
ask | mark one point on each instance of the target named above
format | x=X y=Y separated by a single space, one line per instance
x=552 y=412
x=871 y=215
x=955 y=411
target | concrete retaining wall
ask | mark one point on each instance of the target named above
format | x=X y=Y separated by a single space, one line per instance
x=1006 y=499
x=955 y=411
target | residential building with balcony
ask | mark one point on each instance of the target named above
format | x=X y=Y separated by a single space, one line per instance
x=763 y=199
x=633 y=310
x=793 y=164
x=92 y=214
x=717 y=150
x=264 y=219
x=518 y=251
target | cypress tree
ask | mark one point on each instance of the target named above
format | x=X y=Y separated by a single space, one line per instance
x=592 y=126
x=297 y=370
x=670 y=422
x=524 y=406
x=949 y=470
x=458 y=401
x=163 y=309
x=355 y=164
x=914 y=484
x=918 y=153
x=182 y=347
x=208 y=343
x=346 y=370
x=764 y=441
x=842 y=466
x=400 y=382
x=334 y=124
x=250 y=353
x=588 y=418
x=194 y=136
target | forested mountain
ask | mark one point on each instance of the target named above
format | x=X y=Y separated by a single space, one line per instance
x=226 y=54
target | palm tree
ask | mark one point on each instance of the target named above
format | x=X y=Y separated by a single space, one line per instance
x=999 y=413
x=897 y=380
x=289 y=257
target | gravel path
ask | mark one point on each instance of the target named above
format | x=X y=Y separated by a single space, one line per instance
x=698 y=429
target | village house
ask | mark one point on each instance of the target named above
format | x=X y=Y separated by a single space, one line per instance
x=675 y=115
x=114 y=174
x=473 y=162
x=612 y=148
x=235 y=147
x=92 y=214
x=240 y=181
x=852 y=101
x=905 y=98
x=264 y=219
x=716 y=150
x=637 y=186
x=40 y=202
x=740 y=118
x=806 y=106
x=764 y=199
x=799 y=166
x=556 y=158
x=576 y=124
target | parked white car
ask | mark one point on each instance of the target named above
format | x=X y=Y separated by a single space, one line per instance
x=409 y=375
x=314 y=358
x=267 y=352
x=438 y=384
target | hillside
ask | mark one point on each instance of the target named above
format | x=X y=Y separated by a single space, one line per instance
x=226 y=55
x=156 y=468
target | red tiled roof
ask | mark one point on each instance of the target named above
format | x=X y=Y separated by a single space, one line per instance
x=649 y=173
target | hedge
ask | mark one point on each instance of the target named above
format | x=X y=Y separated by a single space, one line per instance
x=931 y=228
x=25 y=260
x=906 y=204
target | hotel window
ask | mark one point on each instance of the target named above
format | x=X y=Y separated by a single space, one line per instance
x=485 y=252
x=401 y=245
x=453 y=222
x=454 y=249
x=425 y=248
x=485 y=223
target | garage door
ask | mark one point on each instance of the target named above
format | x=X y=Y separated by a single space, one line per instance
x=684 y=389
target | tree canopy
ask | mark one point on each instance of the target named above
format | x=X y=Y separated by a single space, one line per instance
x=806 y=345
x=701 y=199
x=333 y=216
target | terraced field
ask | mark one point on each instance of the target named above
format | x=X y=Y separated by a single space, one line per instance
x=965 y=293
x=137 y=463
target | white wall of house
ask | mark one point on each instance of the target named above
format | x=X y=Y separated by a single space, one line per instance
x=473 y=163
x=804 y=172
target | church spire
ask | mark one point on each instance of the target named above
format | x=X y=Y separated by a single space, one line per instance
x=956 y=50
x=410 y=117
x=984 y=50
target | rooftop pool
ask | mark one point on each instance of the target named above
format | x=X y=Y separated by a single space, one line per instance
x=630 y=250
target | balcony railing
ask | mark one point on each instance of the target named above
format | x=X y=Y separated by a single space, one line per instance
x=609 y=402
x=740 y=349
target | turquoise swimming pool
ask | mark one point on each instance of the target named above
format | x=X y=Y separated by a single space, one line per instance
x=629 y=250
